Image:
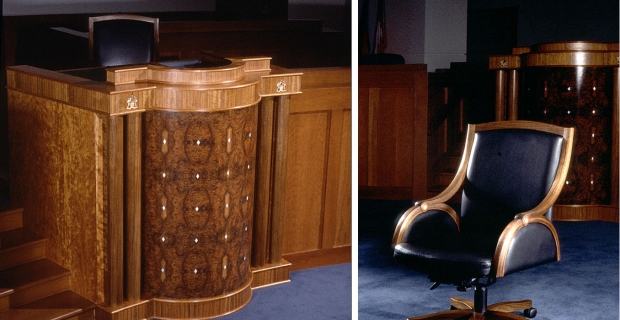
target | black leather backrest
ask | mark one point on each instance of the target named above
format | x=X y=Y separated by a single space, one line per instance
x=510 y=171
x=120 y=42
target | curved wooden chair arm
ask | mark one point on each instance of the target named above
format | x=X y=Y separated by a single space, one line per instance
x=508 y=235
x=409 y=216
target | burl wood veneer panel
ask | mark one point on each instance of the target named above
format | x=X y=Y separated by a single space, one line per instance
x=198 y=185
x=54 y=148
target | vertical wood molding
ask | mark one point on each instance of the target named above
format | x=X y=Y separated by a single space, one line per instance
x=115 y=211
x=279 y=177
x=513 y=95
x=260 y=232
x=615 y=150
x=500 y=95
x=373 y=104
x=133 y=221
x=420 y=132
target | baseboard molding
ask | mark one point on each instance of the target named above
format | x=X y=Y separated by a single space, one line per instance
x=585 y=212
x=319 y=258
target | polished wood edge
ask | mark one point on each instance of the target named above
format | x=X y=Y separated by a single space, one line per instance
x=449 y=314
x=319 y=258
x=586 y=213
x=507 y=237
x=461 y=304
x=575 y=46
x=571 y=59
x=270 y=274
x=510 y=306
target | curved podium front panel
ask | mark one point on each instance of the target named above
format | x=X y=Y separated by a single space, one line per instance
x=198 y=181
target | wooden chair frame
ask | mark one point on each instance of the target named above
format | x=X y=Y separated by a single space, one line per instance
x=536 y=215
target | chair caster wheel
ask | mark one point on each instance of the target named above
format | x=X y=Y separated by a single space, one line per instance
x=530 y=313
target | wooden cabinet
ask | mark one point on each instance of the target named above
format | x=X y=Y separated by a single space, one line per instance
x=392 y=129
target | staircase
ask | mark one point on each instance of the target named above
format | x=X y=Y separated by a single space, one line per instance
x=31 y=286
x=444 y=170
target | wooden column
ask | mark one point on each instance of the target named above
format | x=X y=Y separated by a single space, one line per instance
x=279 y=177
x=500 y=95
x=513 y=94
x=114 y=290
x=133 y=205
x=260 y=234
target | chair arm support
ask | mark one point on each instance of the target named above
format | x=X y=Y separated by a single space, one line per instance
x=418 y=218
x=522 y=246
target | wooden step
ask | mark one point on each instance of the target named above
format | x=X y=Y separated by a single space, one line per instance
x=40 y=314
x=19 y=246
x=4 y=299
x=10 y=218
x=34 y=280
x=65 y=300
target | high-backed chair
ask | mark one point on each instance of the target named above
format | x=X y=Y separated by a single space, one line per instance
x=510 y=175
x=122 y=39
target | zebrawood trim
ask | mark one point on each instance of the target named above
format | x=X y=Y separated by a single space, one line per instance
x=133 y=202
x=271 y=274
x=202 y=308
x=115 y=233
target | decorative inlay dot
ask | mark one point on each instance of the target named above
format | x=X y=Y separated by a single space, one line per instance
x=226 y=236
x=245 y=258
x=247 y=198
x=198 y=142
x=567 y=182
x=163 y=239
x=228 y=172
x=197 y=175
x=196 y=209
x=195 y=240
x=248 y=167
x=163 y=207
x=163 y=174
x=163 y=270
x=195 y=271
x=224 y=266
x=165 y=141
x=250 y=135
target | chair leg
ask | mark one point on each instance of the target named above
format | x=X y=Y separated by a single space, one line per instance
x=511 y=306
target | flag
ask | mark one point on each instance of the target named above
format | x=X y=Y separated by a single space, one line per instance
x=380 y=32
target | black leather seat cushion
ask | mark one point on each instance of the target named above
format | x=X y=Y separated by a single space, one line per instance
x=448 y=258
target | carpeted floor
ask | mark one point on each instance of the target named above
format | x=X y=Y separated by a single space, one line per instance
x=318 y=293
x=583 y=285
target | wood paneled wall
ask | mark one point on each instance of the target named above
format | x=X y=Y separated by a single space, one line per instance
x=393 y=122
x=317 y=218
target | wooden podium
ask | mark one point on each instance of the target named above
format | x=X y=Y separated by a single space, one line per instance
x=154 y=183
x=572 y=84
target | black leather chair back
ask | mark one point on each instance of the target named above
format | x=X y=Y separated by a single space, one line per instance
x=510 y=171
x=121 y=42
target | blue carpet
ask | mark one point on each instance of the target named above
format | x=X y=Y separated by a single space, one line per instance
x=582 y=285
x=318 y=293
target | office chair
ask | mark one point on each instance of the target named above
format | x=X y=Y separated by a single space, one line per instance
x=122 y=39
x=510 y=175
